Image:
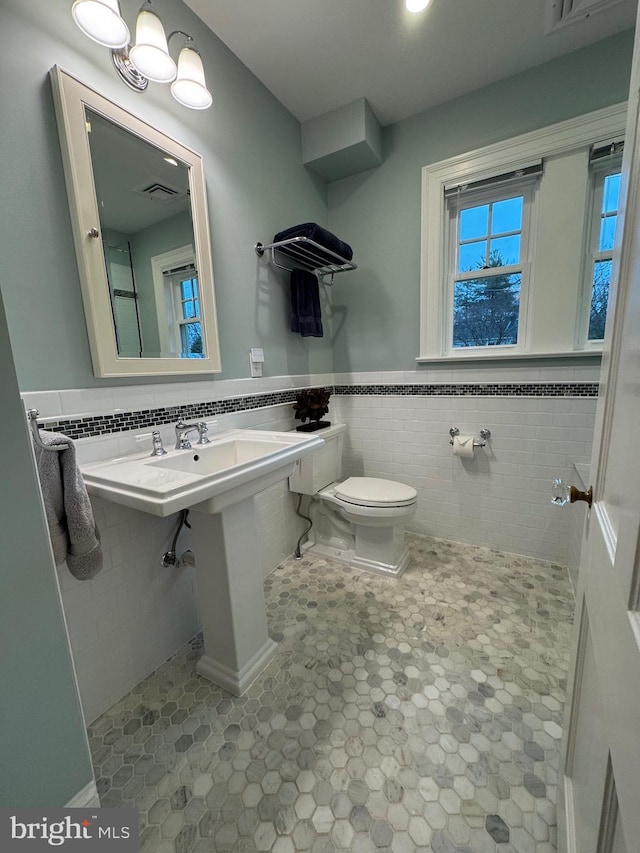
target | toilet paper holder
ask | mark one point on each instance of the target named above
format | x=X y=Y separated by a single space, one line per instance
x=481 y=442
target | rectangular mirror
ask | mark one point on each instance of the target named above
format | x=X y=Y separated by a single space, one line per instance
x=141 y=231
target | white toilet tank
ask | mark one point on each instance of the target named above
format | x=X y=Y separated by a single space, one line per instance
x=323 y=466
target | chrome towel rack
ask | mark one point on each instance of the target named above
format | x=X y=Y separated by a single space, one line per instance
x=32 y=415
x=305 y=254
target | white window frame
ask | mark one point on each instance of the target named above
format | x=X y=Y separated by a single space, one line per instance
x=165 y=305
x=482 y=164
x=489 y=194
x=178 y=306
x=597 y=176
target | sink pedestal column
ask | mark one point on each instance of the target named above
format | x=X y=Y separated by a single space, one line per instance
x=230 y=591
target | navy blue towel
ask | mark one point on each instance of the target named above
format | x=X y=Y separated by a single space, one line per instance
x=319 y=235
x=306 y=318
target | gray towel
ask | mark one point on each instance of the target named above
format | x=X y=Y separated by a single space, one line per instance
x=74 y=535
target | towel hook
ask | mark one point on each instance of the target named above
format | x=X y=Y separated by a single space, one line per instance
x=32 y=414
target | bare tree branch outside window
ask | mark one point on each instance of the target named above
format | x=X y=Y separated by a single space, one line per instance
x=486 y=309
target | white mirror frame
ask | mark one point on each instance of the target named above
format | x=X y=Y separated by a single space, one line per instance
x=71 y=96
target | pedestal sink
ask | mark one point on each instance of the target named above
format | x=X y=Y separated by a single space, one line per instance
x=218 y=482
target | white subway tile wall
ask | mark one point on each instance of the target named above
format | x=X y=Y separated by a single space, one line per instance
x=501 y=497
x=135 y=614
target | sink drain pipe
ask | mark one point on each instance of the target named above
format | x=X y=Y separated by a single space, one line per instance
x=169 y=558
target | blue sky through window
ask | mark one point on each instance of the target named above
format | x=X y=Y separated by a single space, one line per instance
x=490 y=231
x=601 y=275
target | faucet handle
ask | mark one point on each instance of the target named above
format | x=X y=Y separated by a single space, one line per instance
x=203 y=429
x=158 y=449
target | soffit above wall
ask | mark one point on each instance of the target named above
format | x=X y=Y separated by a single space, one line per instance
x=343 y=142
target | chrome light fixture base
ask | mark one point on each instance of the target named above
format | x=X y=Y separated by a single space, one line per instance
x=127 y=70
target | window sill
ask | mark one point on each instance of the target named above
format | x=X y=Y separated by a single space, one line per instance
x=503 y=356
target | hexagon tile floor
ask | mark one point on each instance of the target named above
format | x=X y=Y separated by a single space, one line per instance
x=419 y=714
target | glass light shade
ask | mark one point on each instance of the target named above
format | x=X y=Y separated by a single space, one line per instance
x=189 y=87
x=101 y=21
x=417 y=5
x=150 y=53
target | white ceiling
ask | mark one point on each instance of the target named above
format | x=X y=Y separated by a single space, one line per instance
x=317 y=55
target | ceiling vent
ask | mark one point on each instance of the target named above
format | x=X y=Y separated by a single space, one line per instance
x=159 y=191
x=563 y=12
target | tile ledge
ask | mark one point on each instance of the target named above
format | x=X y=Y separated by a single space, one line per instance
x=522 y=356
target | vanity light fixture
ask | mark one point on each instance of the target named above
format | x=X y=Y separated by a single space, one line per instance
x=149 y=58
x=417 y=5
x=101 y=21
x=150 y=53
x=189 y=87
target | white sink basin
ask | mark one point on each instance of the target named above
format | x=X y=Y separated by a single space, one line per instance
x=217 y=456
x=235 y=465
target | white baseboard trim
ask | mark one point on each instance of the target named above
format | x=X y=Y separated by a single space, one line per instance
x=87 y=798
x=349 y=558
x=237 y=682
x=570 y=840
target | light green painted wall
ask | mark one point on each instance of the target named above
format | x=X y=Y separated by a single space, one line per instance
x=378 y=211
x=256 y=186
x=256 y=182
x=45 y=756
x=162 y=237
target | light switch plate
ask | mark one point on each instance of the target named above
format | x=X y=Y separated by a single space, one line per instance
x=256 y=359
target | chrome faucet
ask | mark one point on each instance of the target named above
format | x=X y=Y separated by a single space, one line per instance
x=182 y=434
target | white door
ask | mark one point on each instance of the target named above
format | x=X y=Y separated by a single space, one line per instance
x=599 y=778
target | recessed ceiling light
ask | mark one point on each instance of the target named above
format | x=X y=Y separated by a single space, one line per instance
x=417 y=5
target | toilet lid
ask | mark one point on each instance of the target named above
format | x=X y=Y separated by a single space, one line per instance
x=373 y=491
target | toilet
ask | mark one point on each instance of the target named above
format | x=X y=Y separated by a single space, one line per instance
x=359 y=521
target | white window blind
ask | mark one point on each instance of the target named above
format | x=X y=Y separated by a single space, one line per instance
x=527 y=170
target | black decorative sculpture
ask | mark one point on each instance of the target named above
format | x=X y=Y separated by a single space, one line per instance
x=312 y=405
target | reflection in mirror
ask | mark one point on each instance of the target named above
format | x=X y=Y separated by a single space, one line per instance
x=147 y=240
x=141 y=231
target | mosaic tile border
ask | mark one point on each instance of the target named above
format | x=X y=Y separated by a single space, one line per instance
x=475 y=389
x=95 y=425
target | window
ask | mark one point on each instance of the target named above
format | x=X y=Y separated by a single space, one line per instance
x=488 y=261
x=503 y=245
x=178 y=298
x=183 y=285
x=606 y=192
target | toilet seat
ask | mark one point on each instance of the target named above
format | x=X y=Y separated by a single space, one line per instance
x=375 y=492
